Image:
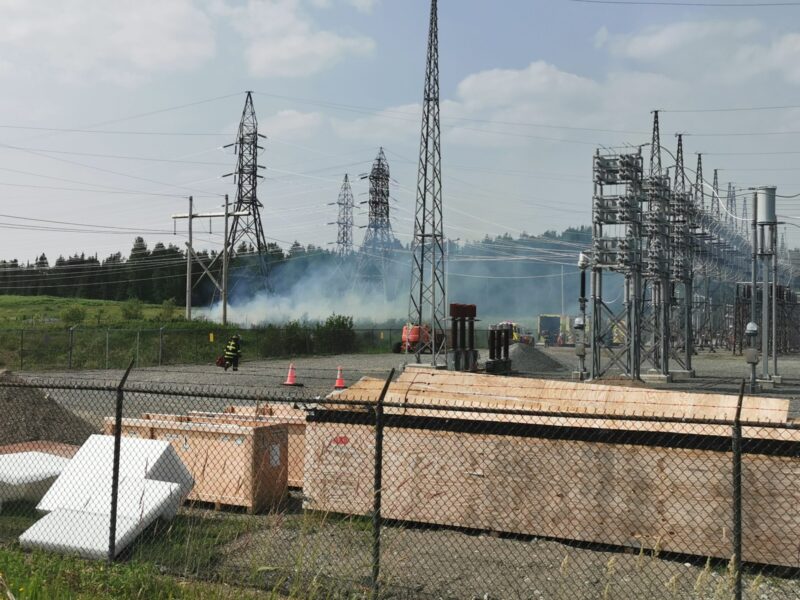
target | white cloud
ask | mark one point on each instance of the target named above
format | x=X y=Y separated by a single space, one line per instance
x=290 y=123
x=360 y=5
x=667 y=42
x=538 y=81
x=93 y=39
x=393 y=123
x=281 y=41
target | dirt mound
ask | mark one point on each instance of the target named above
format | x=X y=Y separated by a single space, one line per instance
x=530 y=360
x=29 y=414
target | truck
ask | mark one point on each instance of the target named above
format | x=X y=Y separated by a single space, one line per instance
x=520 y=335
x=413 y=336
x=550 y=329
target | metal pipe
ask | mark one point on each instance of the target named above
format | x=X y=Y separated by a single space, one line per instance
x=764 y=306
x=754 y=240
x=377 y=486
x=225 y=257
x=189 y=266
x=736 y=452
x=506 y=340
x=774 y=245
x=492 y=346
x=689 y=342
x=112 y=530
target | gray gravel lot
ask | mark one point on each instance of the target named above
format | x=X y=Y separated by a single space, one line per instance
x=437 y=563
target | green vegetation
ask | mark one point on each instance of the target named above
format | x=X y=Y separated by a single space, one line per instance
x=40 y=576
x=45 y=332
x=51 y=311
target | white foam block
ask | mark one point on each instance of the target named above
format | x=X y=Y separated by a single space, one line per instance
x=153 y=483
x=28 y=475
x=86 y=480
x=85 y=532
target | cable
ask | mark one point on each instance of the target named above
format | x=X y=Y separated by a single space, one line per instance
x=700 y=4
x=113 y=132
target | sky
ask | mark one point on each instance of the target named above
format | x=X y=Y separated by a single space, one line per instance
x=113 y=113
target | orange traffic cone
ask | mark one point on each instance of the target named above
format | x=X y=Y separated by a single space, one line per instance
x=291 y=377
x=339 y=385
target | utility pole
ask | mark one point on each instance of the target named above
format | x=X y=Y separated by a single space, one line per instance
x=427 y=298
x=191 y=257
x=190 y=217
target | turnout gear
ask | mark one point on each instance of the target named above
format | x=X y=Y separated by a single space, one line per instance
x=232 y=353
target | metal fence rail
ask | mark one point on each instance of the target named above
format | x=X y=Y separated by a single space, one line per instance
x=343 y=499
x=97 y=348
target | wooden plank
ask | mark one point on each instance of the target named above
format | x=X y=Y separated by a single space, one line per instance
x=675 y=499
x=442 y=389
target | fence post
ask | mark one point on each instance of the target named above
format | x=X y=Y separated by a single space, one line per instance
x=377 y=483
x=737 y=496
x=160 y=346
x=112 y=528
x=21 y=348
x=138 y=331
x=107 y=336
x=71 y=340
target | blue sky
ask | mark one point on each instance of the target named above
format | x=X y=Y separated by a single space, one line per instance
x=529 y=88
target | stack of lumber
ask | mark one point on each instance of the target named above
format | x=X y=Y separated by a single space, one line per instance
x=571 y=463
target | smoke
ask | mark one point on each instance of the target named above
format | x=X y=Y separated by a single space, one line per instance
x=519 y=282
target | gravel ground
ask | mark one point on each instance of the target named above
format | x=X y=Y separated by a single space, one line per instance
x=30 y=415
x=435 y=563
x=442 y=563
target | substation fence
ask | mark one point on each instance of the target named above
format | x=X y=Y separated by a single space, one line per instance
x=84 y=348
x=315 y=497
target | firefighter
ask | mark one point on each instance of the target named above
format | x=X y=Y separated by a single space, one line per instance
x=232 y=353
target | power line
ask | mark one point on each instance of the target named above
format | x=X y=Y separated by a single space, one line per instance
x=700 y=4
x=112 y=131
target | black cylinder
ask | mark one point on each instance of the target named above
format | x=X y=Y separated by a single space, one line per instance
x=462 y=333
x=471 y=334
x=492 y=346
x=506 y=341
x=455 y=343
x=583 y=284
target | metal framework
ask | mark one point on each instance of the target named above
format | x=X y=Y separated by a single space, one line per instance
x=378 y=239
x=248 y=228
x=344 y=220
x=617 y=247
x=662 y=236
x=427 y=298
x=682 y=239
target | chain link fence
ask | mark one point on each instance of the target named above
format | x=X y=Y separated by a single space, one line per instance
x=367 y=495
x=90 y=348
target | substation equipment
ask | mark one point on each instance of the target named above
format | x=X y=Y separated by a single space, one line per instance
x=671 y=265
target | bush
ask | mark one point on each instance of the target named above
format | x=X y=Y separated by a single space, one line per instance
x=167 y=312
x=73 y=315
x=132 y=310
x=335 y=336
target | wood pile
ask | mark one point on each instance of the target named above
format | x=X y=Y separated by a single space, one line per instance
x=558 y=471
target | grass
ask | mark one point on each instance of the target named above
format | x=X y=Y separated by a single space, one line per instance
x=41 y=576
x=16 y=311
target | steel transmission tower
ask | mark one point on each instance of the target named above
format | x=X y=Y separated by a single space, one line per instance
x=655 y=347
x=247 y=227
x=682 y=237
x=379 y=239
x=344 y=239
x=427 y=299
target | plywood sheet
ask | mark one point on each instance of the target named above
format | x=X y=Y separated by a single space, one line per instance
x=675 y=499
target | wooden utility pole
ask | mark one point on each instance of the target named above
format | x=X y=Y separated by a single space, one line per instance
x=191 y=255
